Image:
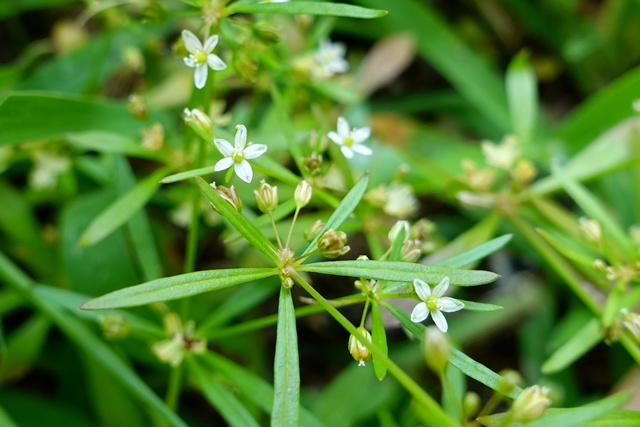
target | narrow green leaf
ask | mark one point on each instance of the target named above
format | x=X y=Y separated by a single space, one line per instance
x=569 y=417
x=620 y=418
x=286 y=382
x=109 y=142
x=239 y=222
x=24 y=346
x=174 y=287
x=523 y=96
x=225 y=402
x=464 y=363
x=180 y=176
x=342 y=212
x=401 y=272
x=579 y=344
x=379 y=339
x=282 y=110
x=477 y=253
x=396 y=247
x=308 y=8
x=480 y=306
x=121 y=210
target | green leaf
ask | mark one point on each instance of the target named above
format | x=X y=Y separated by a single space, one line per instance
x=5 y=419
x=523 y=96
x=286 y=381
x=308 y=8
x=226 y=403
x=121 y=210
x=108 y=142
x=477 y=253
x=24 y=347
x=579 y=344
x=396 y=247
x=379 y=339
x=568 y=417
x=187 y=174
x=57 y=115
x=174 y=287
x=282 y=109
x=239 y=222
x=480 y=306
x=401 y=272
x=342 y=212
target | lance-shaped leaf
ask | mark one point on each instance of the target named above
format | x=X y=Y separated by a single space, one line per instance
x=180 y=176
x=523 y=96
x=342 y=212
x=175 y=287
x=239 y=222
x=308 y=8
x=286 y=381
x=122 y=209
x=579 y=344
x=401 y=272
x=476 y=253
x=379 y=339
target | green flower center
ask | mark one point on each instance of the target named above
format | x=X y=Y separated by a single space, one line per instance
x=348 y=141
x=432 y=303
x=201 y=57
x=237 y=156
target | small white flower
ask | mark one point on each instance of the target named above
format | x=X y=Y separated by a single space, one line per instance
x=237 y=156
x=501 y=155
x=433 y=302
x=200 y=56
x=330 y=58
x=349 y=140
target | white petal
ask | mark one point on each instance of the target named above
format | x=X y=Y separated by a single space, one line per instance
x=339 y=66
x=335 y=138
x=223 y=164
x=210 y=44
x=449 y=305
x=244 y=171
x=440 y=321
x=420 y=312
x=347 y=151
x=241 y=137
x=252 y=151
x=190 y=61
x=224 y=146
x=362 y=149
x=442 y=287
x=343 y=127
x=191 y=42
x=215 y=62
x=200 y=76
x=360 y=134
x=422 y=289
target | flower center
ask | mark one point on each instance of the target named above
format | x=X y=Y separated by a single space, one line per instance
x=200 y=57
x=348 y=141
x=237 y=156
x=432 y=303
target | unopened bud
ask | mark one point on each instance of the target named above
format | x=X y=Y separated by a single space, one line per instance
x=531 y=404
x=199 y=122
x=421 y=229
x=137 y=107
x=153 y=137
x=357 y=349
x=230 y=195
x=436 y=350
x=509 y=380
x=411 y=250
x=114 y=326
x=266 y=197
x=397 y=228
x=523 y=173
x=470 y=405
x=312 y=230
x=333 y=244
x=266 y=32
x=313 y=163
x=590 y=229
x=303 y=194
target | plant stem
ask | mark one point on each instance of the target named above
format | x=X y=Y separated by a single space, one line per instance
x=293 y=222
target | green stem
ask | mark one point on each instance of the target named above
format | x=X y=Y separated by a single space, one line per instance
x=439 y=417
x=293 y=222
x=275 y=230
x=173 y=389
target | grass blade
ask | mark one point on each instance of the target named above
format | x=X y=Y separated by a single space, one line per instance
x=309 y=8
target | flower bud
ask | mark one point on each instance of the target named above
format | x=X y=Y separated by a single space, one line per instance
x=312 y=230
x=229 y=195
x=333 y=244
x=153 y=137
x=411 y=251
x=421 y=229
x=590 y=229
x=313 y=163
x=266 y=197
x=523 y=173
x=470 y=405
x=395 y=230
x=137 y=107
x=436 y=350
x=357 y=349
x=509 y=380
x=303 y=194
x=266 y=32
x=199 y=122
x=531 y=404
x=114 y=326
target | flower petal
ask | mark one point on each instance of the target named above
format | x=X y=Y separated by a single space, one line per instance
x=241 y=137
x=449 y=305
x=252 y=151
x=224 y=146
x=360 y=134
x=190 y=61
x=223 y=164
x=244 y=171
x=362 y=149
x=441 y=288
x=191 y=42
x=335 y=138
x=200 y=76
x=440 y=321
x=422 y=289
x=347 y=151
x=210 y=44
x=343 y=127
x=420 y=312
x=215 y=62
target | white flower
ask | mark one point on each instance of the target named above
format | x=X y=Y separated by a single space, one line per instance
x=434 y=303
x=200 y=56
x=501 y=155
x=237 y=156
x=349 y=140
x=330 y=58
